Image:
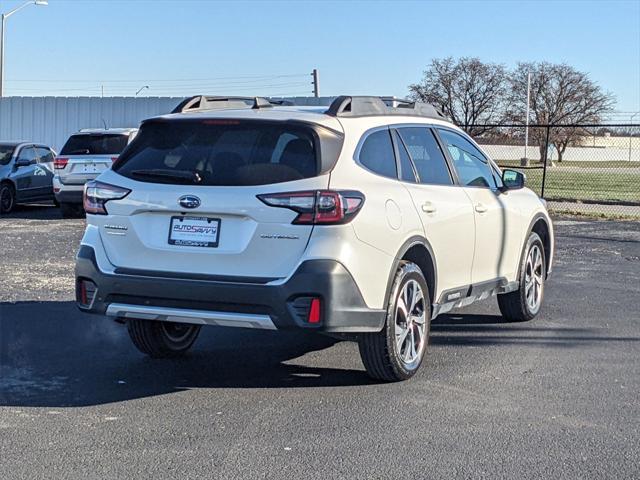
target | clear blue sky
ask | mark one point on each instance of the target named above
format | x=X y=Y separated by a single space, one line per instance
x=72 y=47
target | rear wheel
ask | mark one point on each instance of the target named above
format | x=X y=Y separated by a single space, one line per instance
x=525 y=303
x=7 y=198
x=396 y=352
x=162 y=339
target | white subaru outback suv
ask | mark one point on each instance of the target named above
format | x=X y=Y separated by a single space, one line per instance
x=364 y=220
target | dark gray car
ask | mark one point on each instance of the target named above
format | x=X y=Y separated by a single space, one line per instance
x=26 y=174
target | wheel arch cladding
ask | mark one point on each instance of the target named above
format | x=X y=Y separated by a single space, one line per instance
x=8 y=181
x=541 y=227
x=416 y=250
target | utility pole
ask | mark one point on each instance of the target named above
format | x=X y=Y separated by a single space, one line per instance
x=2 y=20
x=316 y=86
x=526 y=128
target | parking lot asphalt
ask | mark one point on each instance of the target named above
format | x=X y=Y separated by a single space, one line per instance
x=557 y=397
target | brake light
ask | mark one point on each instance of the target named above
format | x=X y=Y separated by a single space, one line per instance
x=97 y=194
x=114 y=159
x=60 y=162
x=318 y=207
x=220 y=122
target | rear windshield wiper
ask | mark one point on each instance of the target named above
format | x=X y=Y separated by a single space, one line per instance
x=184 y=176
x=81 y=151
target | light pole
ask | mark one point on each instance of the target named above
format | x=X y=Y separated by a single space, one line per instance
x=526 y=128
x=630 y=134
x=3 y=19
x=142 y=88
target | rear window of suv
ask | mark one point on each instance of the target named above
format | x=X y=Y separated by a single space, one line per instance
x=220 y=152
x=95 y=144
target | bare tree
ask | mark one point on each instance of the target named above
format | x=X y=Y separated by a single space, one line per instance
x=560 y=95
x=469 y=91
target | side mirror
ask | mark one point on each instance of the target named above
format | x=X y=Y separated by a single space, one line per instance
x=512 y=179
x=22 y=162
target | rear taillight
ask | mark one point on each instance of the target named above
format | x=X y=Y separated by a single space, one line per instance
x=97 y=194
x=60 y=162
x=318 y=207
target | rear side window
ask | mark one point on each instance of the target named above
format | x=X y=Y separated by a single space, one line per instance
x=426 y=155
x=95 y=144
x=45 y=155
x=377 y=154
x=220 y=152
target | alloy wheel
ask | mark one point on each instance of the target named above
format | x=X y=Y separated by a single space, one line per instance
x=534 y=278
x=410 y=323
x=6 y=199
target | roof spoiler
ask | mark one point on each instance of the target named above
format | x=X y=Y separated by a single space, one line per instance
x=200 y=103
x=362 y=106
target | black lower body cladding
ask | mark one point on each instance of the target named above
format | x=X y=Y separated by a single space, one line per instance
x=72 y=196
x=343 y=309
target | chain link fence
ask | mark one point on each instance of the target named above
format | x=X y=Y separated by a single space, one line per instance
x=591 y=170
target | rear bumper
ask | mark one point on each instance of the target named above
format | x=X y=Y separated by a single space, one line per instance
x=69 y=196
x=233 y=303
x=65 y=193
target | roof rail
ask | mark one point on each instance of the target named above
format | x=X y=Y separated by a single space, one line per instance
x=282 y=103
x=362 y=106
x=199 y=103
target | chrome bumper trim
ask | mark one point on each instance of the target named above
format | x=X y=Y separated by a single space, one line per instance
x=197 y=317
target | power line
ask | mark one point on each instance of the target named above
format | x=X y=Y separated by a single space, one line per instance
x=174 y=88
x=240 y=78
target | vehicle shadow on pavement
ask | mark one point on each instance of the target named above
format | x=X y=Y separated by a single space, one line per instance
x=53 y=355
x=34 y=212
x=464 y=329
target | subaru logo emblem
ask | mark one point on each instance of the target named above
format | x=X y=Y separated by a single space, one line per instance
x=189 y=201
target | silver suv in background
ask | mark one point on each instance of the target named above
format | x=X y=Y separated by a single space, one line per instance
x=86 y=155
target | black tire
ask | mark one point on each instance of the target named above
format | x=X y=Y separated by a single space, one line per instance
x=7 y=198
x=515 y=306
x=381 y=355
x=162 y=339
x=71 y=210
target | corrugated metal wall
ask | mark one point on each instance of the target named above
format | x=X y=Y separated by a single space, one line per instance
x=50 y=120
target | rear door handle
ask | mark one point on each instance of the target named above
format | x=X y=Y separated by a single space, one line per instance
x=428 y=207
x=480 y=208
